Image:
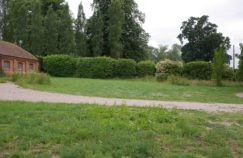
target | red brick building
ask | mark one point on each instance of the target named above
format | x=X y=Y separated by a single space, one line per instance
x=16 y=59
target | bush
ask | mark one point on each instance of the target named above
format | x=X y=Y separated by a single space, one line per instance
x=2 y=74
x=125 y=68
x=40 y=59
x=166 y=68
x=200 y=70
x=178 y=80
x=99 y=67
x=145 y=68
x=59 y=65
x=228 y=73
x=30 y=78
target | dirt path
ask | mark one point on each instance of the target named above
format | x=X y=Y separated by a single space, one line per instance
x=11 y=92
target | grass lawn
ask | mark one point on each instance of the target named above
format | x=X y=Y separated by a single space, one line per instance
x=143 y=89
x=41 y=130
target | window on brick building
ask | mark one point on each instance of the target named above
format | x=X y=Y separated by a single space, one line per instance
x=20 y=67
x=31 y=67
x=6 y=65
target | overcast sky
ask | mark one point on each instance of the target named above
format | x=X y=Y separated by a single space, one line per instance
x=164 y=17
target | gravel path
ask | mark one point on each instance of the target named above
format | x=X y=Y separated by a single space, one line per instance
x=11 y=92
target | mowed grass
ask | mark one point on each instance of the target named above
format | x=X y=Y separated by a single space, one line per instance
x=144 y=89
x=41 y=130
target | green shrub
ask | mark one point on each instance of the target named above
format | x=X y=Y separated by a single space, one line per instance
x=218 y=66
x=200 y=70
x=178 y=80
x=167 y=68
x=40 y=59
x=228 y=73
x=99 y=67
x=125 y=68
x=2 y=74
x=145 y=68
x=240 y=70
x=59 y=65
x=30 y=78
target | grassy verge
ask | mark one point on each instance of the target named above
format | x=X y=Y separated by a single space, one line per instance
x=43 y=130
x=144 y=89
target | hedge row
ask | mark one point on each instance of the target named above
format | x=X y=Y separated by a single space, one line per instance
x=200 y=70
x=105 y=67
x=98 y=67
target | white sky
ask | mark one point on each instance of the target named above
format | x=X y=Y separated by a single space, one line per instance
x=164 y=17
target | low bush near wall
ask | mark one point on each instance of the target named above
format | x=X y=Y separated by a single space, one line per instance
x=59 y=65
x=2 y=74
x=30 y=78
x=145 y=68
x=125 y=68
x=200 y=70
x=167 y=68
x=99 y=67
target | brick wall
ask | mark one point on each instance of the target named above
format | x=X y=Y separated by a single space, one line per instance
x=14 y=62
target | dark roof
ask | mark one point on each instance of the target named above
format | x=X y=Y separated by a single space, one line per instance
x=10 y=49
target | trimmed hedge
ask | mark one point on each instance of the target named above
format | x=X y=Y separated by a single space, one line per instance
x=59 y=65
x=125 y=68
x=167 y=68
x=99 y=67
x=145 y=68
x=198 y=70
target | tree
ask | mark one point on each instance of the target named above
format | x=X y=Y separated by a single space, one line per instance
x=2 y=17
x=240 y=71
x=95 y=34
x=80 y=36
x=50 y=32
x=134 y=37
x=218 y=65
x=36 y=29
x=66 y=42
x=203 y=39
x=163 y=53
x=116 y=21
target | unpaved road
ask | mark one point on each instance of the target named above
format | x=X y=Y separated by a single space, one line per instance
x=11 y=92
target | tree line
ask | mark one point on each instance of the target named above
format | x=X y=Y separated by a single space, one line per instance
x=46 y=27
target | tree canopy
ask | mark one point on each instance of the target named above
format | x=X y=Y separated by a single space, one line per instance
x=201 y=39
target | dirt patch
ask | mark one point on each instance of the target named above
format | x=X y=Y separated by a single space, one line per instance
x=239 y=95
x=11 y=92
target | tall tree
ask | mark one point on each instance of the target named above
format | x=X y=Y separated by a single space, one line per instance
x=36 y=29
x=203 y=39
x=95 y=34
x=80 y=36
x=134 y=37
x=240 y=72
x=50 y=32
x=2 y=16
x=218 y=65
x=66 y=43
x=116 y=20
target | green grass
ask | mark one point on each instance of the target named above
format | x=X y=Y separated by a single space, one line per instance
x=144 y=89
x=41 y=130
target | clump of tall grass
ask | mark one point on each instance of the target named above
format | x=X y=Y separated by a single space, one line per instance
x=178 y=80
x=30 y=78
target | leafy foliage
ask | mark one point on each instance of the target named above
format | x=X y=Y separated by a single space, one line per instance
x=99 y=67
x=240 y=71
x=59 y=65
x=166 y=68
x=203 y=39
x=218 y=66
x=30 y=78
x=80 y=36
x=125 y=68
x=198 y=70
x=145 y=68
